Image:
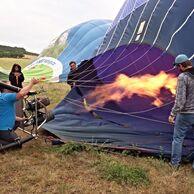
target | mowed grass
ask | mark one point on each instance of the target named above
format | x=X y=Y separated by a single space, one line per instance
x=82 y=169
x=41 y=168
x=7 y=63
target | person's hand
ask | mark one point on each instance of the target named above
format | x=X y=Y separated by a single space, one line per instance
x=17 y=74
x=23 y=119
x=20 y=118
x=171 y=119
x=34 y=81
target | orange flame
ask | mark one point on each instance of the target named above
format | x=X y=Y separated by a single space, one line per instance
x=124 y=86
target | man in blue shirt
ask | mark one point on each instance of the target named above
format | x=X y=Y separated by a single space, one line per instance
x=8 y=112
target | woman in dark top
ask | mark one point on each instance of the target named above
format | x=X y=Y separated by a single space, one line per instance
x=16 y=77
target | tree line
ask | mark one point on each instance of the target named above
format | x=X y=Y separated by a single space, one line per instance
x=14 y=52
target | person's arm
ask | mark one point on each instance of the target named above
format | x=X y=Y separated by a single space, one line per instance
x=24 y=91
x=21 y=77
x=180 y=96
x=20 y=118
x=69 y=77
x=11 y=77
x=180 y=99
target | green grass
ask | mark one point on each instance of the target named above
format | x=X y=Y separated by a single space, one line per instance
x=70 y=148
x=122 y=173
x=7 y=63
x=110 y=169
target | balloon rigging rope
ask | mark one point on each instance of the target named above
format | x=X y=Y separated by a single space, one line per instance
x=110 y=39
x=109 y=65
x=79 y=104
x=181 y=26
x=119 y=59
x=116 y=60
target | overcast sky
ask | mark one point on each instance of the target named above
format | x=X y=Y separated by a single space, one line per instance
x=32 y=24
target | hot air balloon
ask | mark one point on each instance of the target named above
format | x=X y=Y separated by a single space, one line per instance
x=124 y=94
x=75 y=44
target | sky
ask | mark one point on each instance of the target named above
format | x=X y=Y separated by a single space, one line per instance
x=33 y=24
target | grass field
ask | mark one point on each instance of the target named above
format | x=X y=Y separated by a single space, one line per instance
x=7 y=63
x=81 y=169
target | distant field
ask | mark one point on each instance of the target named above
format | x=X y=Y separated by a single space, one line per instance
x=7 y=63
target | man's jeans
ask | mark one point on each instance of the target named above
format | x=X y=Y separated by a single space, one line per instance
x=183 y=123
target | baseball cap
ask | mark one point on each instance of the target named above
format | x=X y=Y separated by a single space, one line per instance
x=180 y=59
